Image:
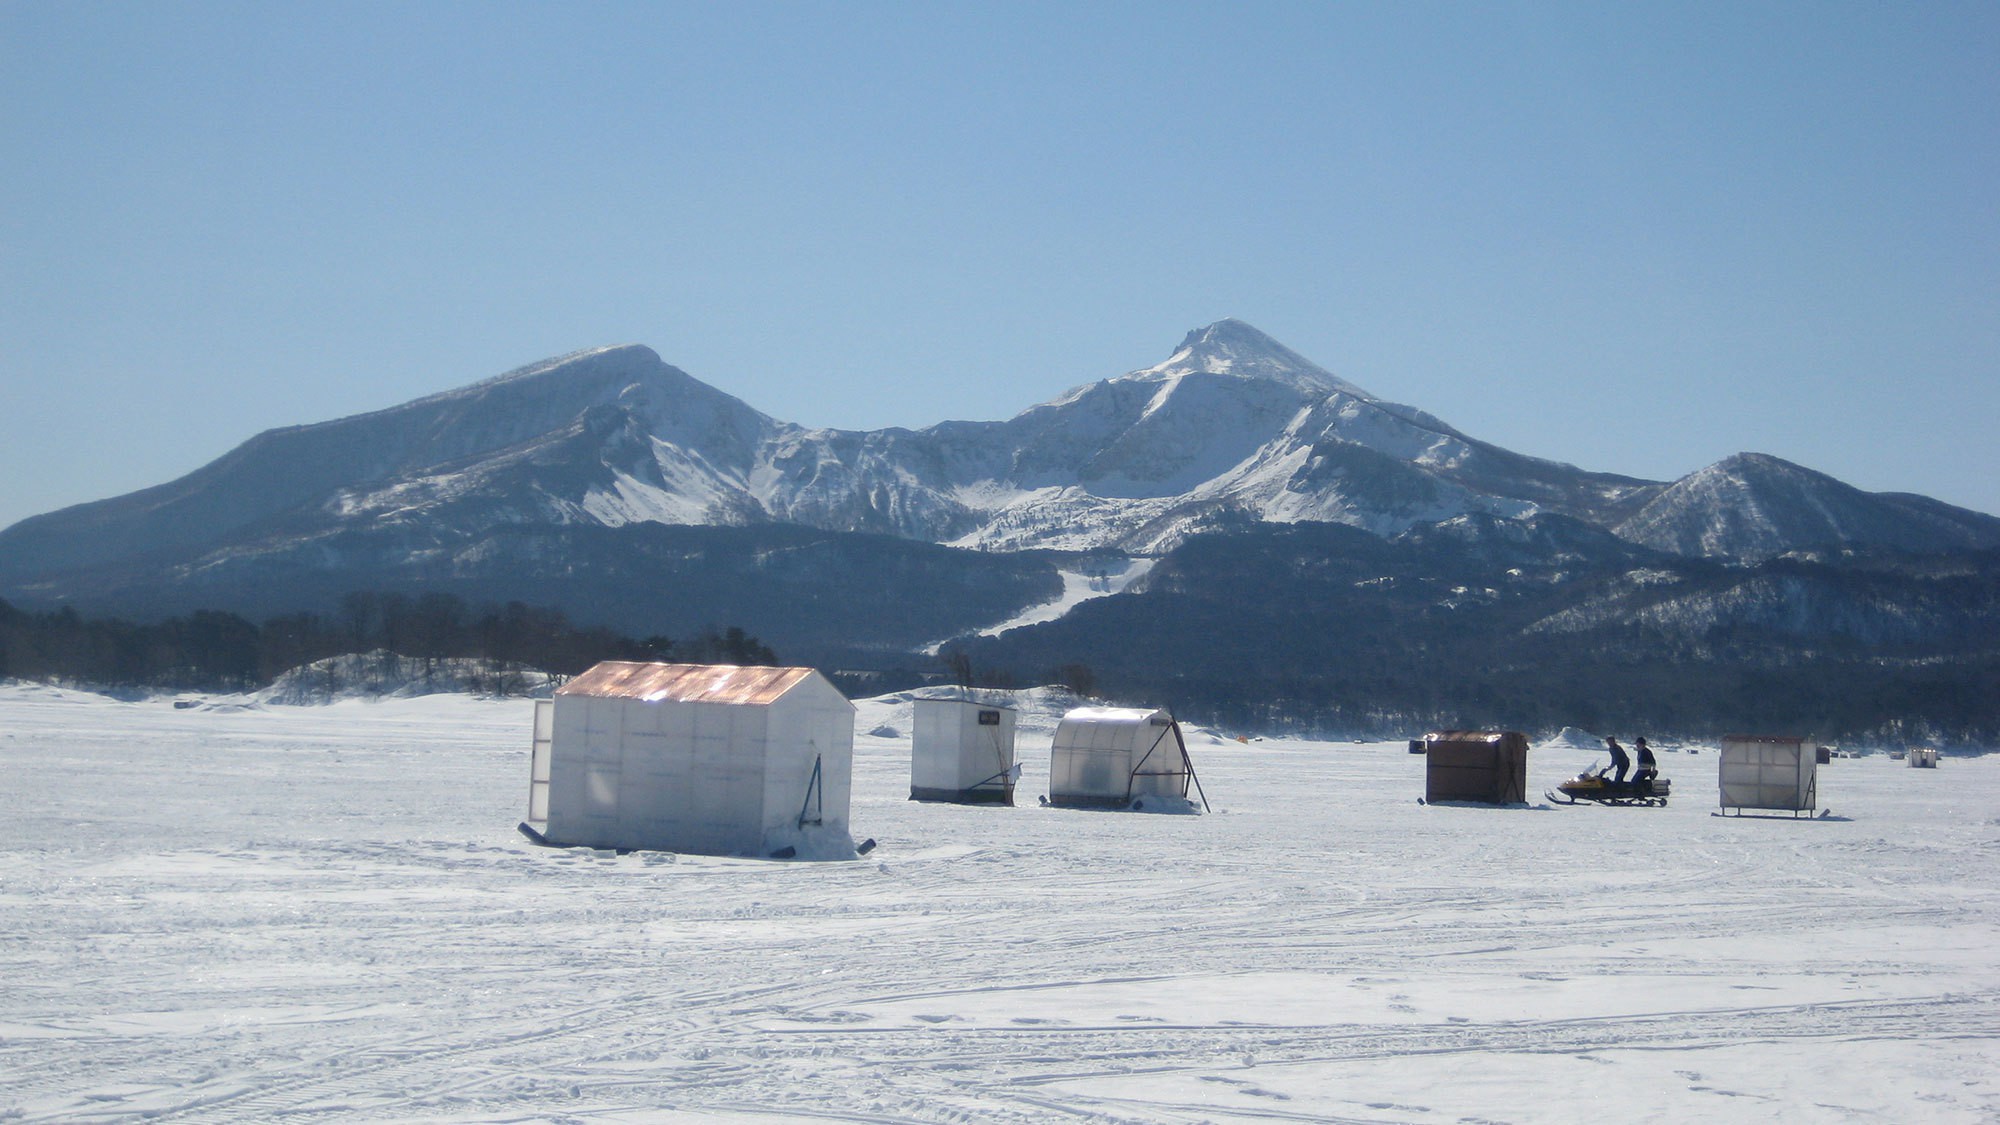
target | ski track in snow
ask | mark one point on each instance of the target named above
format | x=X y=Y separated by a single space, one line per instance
x=325 y=914
x=1079 y=585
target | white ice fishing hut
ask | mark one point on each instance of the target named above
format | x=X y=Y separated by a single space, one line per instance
x=1112 y=757
x=1768 y=771
x=1923 y=758
x=962 y=750
x=700 y=758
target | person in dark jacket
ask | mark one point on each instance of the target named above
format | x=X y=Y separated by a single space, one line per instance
x=1649 y=767
x=1620 y=762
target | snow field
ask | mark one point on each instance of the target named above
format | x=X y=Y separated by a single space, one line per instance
x=325 y=913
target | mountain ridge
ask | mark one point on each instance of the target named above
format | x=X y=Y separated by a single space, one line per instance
x=1231 y=425
x=1315 y=551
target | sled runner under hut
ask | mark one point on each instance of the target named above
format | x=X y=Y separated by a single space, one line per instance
x=1480 y=766
x=1768 y=771
x=962 y=750
x=710 y=759
x=1120 y=757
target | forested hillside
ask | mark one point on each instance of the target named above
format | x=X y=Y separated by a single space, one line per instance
x=1536 y=625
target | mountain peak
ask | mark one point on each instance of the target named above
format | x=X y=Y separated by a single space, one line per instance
x=1754 y=505
x=1232 y=347
x=1230 y=335
x=624 y=358
x=1744 y=464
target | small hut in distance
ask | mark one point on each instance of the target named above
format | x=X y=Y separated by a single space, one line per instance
x=962 y=750
x=707 y=759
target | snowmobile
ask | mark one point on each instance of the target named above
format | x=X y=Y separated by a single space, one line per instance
x=1592 y=785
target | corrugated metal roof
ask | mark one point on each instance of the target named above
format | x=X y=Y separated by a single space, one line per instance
x=685 y=683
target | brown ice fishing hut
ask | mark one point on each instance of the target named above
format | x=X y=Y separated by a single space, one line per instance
x=1482 y=766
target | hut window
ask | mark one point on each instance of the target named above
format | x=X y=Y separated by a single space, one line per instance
x=989 y=718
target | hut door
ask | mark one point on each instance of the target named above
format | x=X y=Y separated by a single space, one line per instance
x=539 y=762
x=813 y=809
x=1168 y=772
x=994 y=763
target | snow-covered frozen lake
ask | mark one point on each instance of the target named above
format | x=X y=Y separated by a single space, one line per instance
x=325 y=913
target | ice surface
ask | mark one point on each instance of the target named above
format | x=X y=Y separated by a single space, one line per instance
x=325 y=914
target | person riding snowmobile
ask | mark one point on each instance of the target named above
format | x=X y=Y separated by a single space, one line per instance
x=1619 y=761
x=1649 y=767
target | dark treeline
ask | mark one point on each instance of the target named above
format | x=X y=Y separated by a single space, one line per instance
x=214 y=651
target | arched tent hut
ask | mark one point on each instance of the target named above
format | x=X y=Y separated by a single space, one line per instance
x=1116 y=757
x=709 y=759
x=962 y=750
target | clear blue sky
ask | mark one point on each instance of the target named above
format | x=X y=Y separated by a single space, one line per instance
x=1637 y=238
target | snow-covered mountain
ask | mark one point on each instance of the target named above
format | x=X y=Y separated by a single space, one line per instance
x=1234 y=423
x=1753 y=505
x=1232 y=426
